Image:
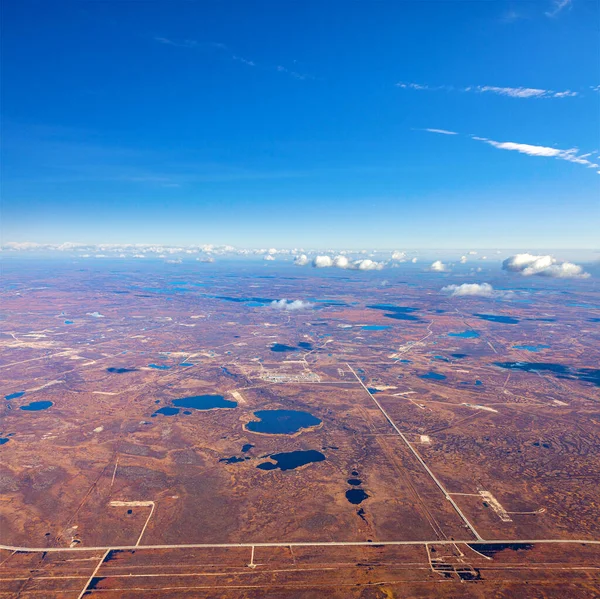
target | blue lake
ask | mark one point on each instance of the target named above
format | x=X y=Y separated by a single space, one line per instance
x=166 y=411
x=280 y=347
x=498 y=318
x=533 y=348
x=281 y=422
x=434 y=376
x=376 y=327
x=159 y=366
x=292 y=459
x=68 y=322
x=36 y=406
x=465 y=334
x=14 y=395
x=356 y=496
x=4 y=440
x=204 y=402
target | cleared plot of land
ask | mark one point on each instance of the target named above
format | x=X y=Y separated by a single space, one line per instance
x=440 y=570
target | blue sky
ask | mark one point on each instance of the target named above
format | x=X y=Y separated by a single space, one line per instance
x=302 y=123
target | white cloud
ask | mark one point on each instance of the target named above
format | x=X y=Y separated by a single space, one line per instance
x=570 y=155
x=414 y=260
x=558 y=6
x=95 y=314
x=522 y=92
x=466 y=289
x=438 y=266
x=442 y=131
x=543 y=265
x=399 y=256
x=511 y=92
x=268 y=257
x=284 y=304
x=463 y=259
x=341 y=262
x=367 y=265
x=301 y=260
x=322 y=262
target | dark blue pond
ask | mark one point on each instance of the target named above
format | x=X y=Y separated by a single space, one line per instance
x=396 y=312
x=120 y=370
x=280 y=347
x=166 y=411
x=434 y=376
x=68 y=322
x=281 y=422
x=292 y=459
x=247 y=447
x=355 y=482
x=465 y=334
x=498 y=318
x=4 y=440
x=356 y=496
x=186 y=364
x=534 y=367
x=36 y=406
x=204 y=402
x=305 y=345
x=533 y=348
x=159 y=366
x=459 y=356
x=376 y=327
x=14 y=395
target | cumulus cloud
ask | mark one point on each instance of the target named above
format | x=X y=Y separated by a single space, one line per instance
x=543 y=265
x=438 y=266
x=341 y=262
x=366 y=265
x=268 y=257
x=290 y=306
x=466 y=289
x=463 y=259
x=301 y=260
x=95 y=314
x=399 y=256
x=322 y=262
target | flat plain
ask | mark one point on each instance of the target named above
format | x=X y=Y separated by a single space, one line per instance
x=167 y=431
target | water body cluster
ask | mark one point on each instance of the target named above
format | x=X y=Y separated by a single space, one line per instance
x=587 y=375
x=356 y=495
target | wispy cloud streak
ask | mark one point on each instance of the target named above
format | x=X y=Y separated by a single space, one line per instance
x=571 y=155
x=558 y=6
x=511 y=92
x=195 y=45
x=441 y=131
